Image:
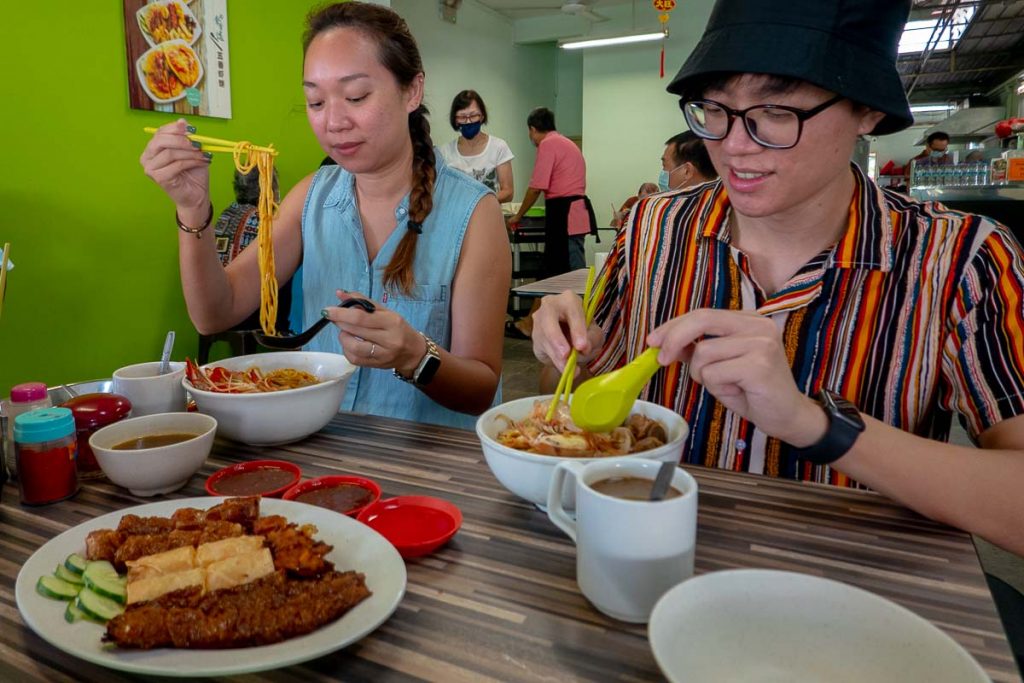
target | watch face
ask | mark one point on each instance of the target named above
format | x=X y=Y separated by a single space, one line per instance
x=841 y=409
x=428 y=369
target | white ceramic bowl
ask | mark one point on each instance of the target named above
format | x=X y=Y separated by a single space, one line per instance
x=277 y=417
x=528 y=474
x=767 y=625
x=151 y=471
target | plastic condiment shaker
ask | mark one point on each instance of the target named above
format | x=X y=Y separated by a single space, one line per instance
x=92 y=412
x=46 y=451
x=24 y=397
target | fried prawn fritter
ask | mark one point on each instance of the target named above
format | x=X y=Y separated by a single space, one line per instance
x=294 y=547
x=265 y=611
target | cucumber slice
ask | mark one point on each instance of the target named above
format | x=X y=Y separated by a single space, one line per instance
x=73 y=613
x=98 y=607
x=75 y=563
x=68 y=575
x=104 y=580
x=58 y=589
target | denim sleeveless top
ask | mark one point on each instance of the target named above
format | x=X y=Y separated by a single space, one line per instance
x=334 y=257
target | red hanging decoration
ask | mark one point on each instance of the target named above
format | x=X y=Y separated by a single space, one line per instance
x=664 y=7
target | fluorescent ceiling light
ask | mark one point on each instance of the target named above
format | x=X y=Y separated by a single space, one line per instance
x=922 y=108
x=619 y=40
x=917 y=34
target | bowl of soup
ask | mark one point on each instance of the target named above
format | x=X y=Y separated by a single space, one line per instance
x=267 y=478
x=522 y=448
x=341 y=493
x=154 y=454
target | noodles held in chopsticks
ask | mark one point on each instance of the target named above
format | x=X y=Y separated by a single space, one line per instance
x=247 y=157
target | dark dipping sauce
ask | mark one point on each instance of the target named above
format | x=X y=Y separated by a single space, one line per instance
x=339 y=497
x=630 y=488
x=253 y=482
x=152 y=441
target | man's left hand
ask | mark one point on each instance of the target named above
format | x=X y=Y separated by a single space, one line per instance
x=739 y=358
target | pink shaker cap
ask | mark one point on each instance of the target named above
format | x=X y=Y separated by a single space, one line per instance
x=28 y=392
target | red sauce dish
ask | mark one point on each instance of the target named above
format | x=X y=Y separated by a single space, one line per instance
x=415 y=525
x=267 y=478
x=341 y=493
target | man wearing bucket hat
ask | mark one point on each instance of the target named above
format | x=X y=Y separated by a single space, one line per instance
x=812 y=325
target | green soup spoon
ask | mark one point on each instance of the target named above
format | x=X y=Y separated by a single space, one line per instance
x=602 y=403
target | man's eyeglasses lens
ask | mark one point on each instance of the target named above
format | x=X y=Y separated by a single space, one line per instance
x=768 y=126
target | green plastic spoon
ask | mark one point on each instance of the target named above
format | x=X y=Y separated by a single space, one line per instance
x=603 y=402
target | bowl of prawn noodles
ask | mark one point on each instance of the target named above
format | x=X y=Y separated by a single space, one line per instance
x=252 y=397
x=522 y=449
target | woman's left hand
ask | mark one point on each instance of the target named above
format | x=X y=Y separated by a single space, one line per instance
x=382 y=339
x=739 y=358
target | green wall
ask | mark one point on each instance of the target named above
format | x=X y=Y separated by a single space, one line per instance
x=93 y=240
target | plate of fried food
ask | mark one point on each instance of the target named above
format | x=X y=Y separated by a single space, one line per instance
x=164 y=21
x=167 y=70
x=210 y=586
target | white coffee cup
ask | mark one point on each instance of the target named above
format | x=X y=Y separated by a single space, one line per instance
x=149 y=391
x=628 y=552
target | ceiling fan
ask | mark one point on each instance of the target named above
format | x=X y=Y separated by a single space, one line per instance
x=579 y=8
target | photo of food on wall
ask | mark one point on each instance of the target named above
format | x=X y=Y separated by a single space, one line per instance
x=177 y=54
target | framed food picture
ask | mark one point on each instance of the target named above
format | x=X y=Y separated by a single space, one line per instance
x=177 y=54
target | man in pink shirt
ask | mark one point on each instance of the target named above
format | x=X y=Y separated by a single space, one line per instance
x=561 y=174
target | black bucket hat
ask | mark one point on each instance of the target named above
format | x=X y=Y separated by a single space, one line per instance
x=845 y=46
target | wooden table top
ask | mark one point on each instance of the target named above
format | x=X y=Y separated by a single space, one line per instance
x=575 y=280
x=500 y=601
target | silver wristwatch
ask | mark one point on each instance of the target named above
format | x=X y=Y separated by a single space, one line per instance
x=427 y=367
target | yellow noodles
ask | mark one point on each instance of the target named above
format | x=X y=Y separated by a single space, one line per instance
x=247 y=157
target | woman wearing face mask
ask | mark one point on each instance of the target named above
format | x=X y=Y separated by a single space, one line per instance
x=388 y=222
x=483 y=157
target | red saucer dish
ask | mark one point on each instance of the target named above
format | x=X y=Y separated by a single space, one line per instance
x=267 y=478
x=341 y=493
x=415 y=525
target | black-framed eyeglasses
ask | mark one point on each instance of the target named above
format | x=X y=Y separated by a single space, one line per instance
x=775 y=126
x=469 y=118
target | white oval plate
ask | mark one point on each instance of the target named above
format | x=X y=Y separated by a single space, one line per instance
x=356 y=547
x=773 y=626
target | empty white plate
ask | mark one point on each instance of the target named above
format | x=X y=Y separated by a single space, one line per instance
x=748 y=625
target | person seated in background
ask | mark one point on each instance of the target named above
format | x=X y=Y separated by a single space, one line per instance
x=483 y=157
x=810 y=324
x=237 y=227
x=684 y=163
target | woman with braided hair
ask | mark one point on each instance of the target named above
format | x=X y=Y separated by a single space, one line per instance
x=390 y=222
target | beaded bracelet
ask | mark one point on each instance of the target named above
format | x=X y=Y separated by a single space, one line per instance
x=194 y=231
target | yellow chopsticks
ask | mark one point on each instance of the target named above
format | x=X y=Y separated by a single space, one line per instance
x=591 y=296
x=216 y=144
x=3 y=273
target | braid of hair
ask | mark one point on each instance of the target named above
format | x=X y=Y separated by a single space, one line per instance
x=399 y=271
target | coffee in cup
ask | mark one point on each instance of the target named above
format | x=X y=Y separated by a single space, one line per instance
x=629 y=550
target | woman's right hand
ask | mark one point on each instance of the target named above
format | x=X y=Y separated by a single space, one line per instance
x=178 y=166
x=559 y=325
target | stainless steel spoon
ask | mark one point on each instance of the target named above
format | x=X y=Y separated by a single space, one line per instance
x=296 y=341
x=662 y=480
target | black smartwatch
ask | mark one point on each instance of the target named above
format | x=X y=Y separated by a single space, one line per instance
x=428 y=366
x=844 y=426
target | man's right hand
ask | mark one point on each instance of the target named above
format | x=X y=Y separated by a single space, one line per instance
x=559 y=325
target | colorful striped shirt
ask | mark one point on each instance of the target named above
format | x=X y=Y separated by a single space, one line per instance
x=915 y=314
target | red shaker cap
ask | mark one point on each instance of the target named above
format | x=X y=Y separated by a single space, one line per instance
x=28 y=392
x=98 y=410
